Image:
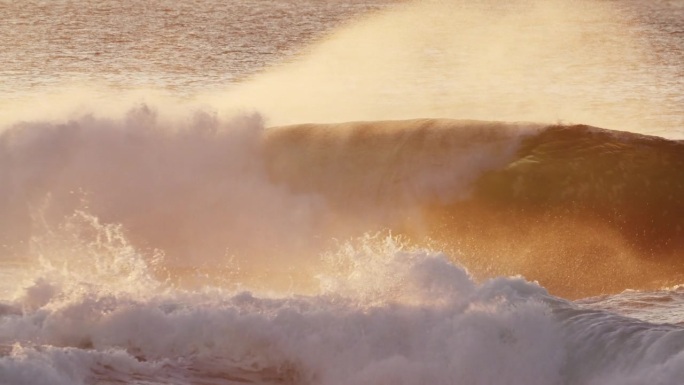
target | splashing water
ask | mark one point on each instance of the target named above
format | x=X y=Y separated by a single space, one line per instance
x=153 y=230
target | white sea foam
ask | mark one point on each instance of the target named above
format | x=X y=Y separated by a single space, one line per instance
x=403 y=328
x=406 y=316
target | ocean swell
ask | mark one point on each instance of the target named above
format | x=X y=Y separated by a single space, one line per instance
x=581 y=209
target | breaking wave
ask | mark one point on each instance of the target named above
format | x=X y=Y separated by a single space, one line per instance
x=209 y=251
x=580 y=209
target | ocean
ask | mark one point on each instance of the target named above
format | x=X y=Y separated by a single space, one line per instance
x=327 y=192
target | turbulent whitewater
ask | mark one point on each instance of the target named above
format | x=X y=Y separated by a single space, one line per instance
x=358 y=192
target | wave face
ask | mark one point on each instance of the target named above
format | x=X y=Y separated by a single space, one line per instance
x=582 y=209
x=632 y=182
x=195 y=191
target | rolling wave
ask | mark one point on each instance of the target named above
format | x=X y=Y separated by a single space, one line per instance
x=582 y=210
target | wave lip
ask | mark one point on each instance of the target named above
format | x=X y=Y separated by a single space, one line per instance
x=396 y=162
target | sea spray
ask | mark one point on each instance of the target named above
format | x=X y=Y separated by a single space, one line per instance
x=193 y=189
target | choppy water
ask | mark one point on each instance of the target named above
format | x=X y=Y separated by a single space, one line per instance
x=153 y=230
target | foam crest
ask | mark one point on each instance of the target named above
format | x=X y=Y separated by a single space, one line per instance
x=194 y=188
x=343 y=337
x=379 y=269
x=406 y=315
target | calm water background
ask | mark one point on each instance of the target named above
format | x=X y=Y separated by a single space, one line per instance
x=190 y=47
x=181 y=46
